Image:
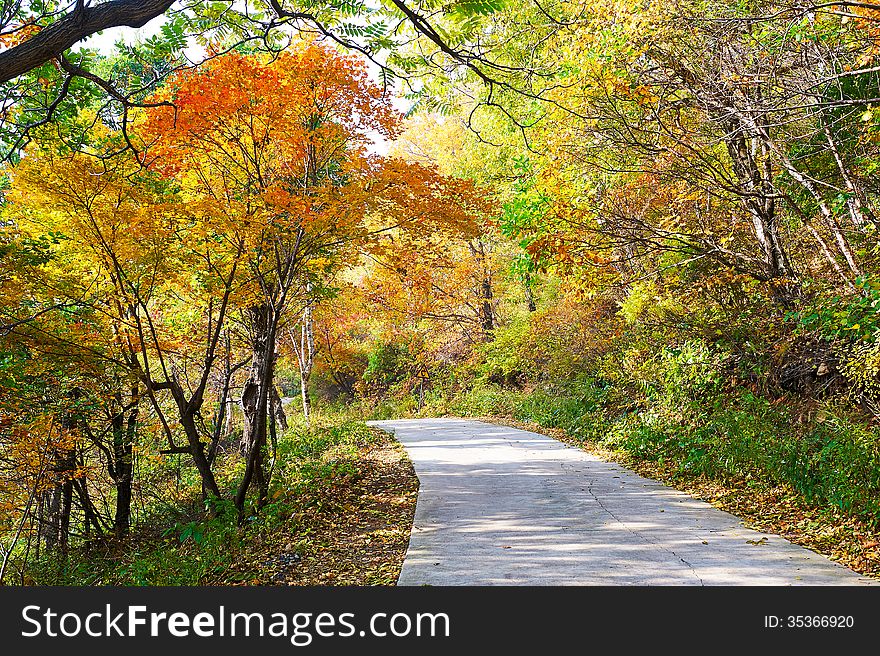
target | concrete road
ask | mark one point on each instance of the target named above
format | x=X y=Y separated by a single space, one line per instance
x=502 y=506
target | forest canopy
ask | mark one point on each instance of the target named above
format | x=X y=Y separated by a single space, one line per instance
x=651 y=225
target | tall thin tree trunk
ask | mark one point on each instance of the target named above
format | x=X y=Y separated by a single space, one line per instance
x=487 y=314
x=64 y=517
x=530 y=298
x=55 y=528
x=225 y=403
x=305 y=357
x=124 y=431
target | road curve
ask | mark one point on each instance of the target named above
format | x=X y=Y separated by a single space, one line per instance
x=502 y=506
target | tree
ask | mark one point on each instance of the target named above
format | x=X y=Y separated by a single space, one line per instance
x=305 y=350
x=60 y=410
x=279 y=147
x=157 y=278
x=43 y=79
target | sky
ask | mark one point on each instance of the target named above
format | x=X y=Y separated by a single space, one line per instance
x=105 y=40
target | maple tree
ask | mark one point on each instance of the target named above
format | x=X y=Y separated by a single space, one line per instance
x=172 y=273
x=278 y=150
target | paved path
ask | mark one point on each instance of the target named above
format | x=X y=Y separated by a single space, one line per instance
x=501 y=506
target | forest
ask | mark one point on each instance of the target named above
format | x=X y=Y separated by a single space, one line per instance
x=649 y=229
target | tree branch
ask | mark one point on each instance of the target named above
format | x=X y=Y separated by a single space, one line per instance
x=82 y=22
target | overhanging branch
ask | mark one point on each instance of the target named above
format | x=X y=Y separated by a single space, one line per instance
x=79 y=24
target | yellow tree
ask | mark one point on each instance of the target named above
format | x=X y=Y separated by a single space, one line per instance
x=156 y=278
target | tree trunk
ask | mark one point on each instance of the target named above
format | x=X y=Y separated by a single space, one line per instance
x=255 y=401
x=195 y=446
x=488 y=318
x=64 y=514
x=124 y=430
x=55 y=525
x=223 y=421
x=306 y=399
x=278 y=414
x=305 y=358
x=487 y=315
x=50 y=505
x=229 y=421
x=756 y=180
x=530 y=298
x=91 y=517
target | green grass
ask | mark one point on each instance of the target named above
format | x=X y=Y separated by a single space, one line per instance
x=185 y=545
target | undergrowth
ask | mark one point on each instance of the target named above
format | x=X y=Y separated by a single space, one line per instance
x=198 y=543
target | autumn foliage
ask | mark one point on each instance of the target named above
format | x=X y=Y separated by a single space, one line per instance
x=655 y=227
x=182 y=271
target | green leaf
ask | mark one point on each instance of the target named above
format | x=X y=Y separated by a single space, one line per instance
x=467 y=8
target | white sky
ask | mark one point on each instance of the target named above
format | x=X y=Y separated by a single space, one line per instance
x=105 y=40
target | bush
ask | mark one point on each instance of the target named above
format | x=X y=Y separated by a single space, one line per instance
x=190 y=546
x=830 y=460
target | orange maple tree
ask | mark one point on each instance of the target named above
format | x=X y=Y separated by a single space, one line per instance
x=277 y=153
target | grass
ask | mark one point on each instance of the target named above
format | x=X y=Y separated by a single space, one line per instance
x=340 y=511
